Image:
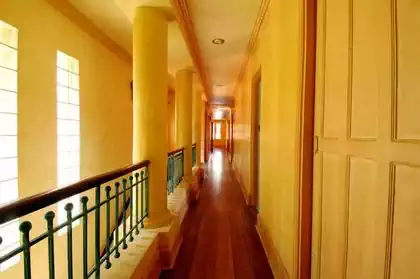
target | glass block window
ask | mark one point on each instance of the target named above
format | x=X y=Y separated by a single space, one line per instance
x=68 y=129
x=9 y=232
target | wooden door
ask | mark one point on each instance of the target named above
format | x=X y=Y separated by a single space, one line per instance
x=366 y=214
x=232 y=142
x=212 y=137
x=255 y=141
x=206 y=136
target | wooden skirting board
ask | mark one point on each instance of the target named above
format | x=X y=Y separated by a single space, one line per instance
x=273 y=256
x=165 y=248
x=247 y=197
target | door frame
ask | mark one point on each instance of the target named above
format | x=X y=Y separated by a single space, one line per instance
x=211 y=136
x=255 y=158
x=307 y=140
x=231 y=136
x=206 y=134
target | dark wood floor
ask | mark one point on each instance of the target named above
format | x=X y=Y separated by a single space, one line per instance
x=219 y=236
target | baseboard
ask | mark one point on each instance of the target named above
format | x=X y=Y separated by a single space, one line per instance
x=247 y=198
x=174 y=252
x=169 y=244
x=150 y=266
x=163 y=252
x=273 y=256
x=170 y=240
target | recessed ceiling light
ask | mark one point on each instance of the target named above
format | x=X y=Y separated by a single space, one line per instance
x=218 y=41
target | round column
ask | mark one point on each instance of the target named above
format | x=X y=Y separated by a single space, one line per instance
x=150 y=94
x=197 y=117
x=183 y=103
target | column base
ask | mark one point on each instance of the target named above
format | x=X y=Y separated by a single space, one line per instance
x=186 y=181
x=160 y=221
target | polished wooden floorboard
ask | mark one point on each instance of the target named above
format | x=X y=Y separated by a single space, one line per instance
x=219 y=236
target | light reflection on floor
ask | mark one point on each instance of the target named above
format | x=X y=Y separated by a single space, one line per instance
x=215 y=169
x=217 y=162
x=219 y=236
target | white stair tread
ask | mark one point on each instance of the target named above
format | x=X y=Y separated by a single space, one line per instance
x=124 y=266
x=177 y=199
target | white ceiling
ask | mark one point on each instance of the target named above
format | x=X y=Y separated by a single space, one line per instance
x=227 y=19
x=232 y=20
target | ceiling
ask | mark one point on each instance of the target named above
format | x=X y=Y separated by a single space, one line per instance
x=232 y=20
x=227 y=19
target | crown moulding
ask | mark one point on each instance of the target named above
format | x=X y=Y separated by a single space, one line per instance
x=252 y=40
x=184 y=20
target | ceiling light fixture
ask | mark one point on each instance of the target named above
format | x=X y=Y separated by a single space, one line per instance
x=218 y=41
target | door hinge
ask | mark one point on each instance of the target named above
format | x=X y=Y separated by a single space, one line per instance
x=316 y=144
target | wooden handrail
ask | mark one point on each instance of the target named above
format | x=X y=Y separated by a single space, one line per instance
x=175 y=151
x=33 y=203
x=179 y=150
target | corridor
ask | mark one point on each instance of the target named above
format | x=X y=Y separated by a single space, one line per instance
x=219 y=236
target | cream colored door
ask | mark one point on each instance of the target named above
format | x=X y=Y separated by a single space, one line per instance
x=367 y=168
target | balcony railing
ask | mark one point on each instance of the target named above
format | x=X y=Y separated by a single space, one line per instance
x=194 y=154
x=130 y=182
x=175 y=166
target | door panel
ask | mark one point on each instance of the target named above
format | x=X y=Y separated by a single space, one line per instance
x=367 y=225
x=406 y=244
x=336 y=66
x=369 y=27
x=333 y=221
x=408 y=71
x=367 y=167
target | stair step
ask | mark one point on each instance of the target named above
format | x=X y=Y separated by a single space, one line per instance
x=124 y=266
x=116 y=271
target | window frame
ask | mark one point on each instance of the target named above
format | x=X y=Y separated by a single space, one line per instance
x=9 y=137
x=68 y=131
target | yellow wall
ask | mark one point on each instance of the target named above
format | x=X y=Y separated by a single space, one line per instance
x=279 y=54
x=105 y=110
x=197 y=124
x=203 y=130
x=171 y=121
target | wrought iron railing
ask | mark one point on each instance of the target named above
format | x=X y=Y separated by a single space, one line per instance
x=175 y=167
x=194 y=154
x=134 y=182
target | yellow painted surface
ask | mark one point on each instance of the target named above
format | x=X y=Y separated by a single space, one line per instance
x=203 y=130
x=183 y=116
x=196 y=123
x=150 y=102
x=85 y=23
x=242 y=124
x=171 y=121
x=105 y=113
x=366 y=195
x=279 y=54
